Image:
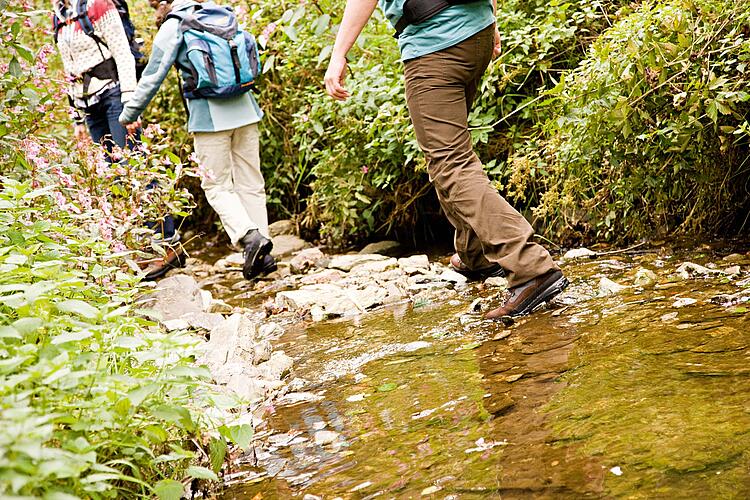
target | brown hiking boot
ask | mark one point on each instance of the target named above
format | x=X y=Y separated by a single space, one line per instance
x=526 y=297
x=476 y=274
x=158 y=266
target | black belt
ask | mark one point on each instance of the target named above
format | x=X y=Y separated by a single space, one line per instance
x=419 y=11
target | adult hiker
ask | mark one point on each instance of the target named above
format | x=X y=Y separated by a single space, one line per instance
x=222 y=116
x=446 y=45
x=99 y=58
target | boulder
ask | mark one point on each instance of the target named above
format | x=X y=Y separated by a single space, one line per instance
x=579 y=253
x=347 y=262
x=452 y=277
x=414 y=264
x=306 y=259
x=645 y=277
x=325 y=276
x=176 y=296
x=609 y=287
x=287 y=244
x=496 y=282
x=280 y=227
x=389 y=248
x=278 y=365
x=376 y=267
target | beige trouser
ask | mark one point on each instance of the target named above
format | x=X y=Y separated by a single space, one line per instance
x=234 y=184
x=440 y=89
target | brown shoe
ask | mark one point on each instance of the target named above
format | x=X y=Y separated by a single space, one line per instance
x=476 y=274
x=159 y=266
x=525 y=298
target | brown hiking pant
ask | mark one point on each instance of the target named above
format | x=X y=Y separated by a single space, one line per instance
x=440 y=89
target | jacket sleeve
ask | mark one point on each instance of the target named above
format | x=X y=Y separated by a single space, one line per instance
x=166 y=47
x=108 y=25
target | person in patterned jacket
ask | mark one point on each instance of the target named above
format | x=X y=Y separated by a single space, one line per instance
x=102 y=74
x=100 y=68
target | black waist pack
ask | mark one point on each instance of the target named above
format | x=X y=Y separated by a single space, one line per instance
x=419 y=11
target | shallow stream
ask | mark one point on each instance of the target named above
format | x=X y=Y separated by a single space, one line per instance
x=639 y=393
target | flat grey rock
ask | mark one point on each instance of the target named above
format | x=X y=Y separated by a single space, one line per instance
x=287 y=244
x=387 y=247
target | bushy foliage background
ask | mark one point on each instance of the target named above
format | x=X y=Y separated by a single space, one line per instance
x=601 y=120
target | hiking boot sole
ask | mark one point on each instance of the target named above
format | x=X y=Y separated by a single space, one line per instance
x=256 y=267
x=481 y=274
x=548 y=294
x=177 y=263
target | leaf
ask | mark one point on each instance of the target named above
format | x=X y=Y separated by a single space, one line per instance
x=387 y=387
x=197 y=472
x=241 y=435
x=27 y=325
x=71 y=337
x=79 y=307
x=8 y=332
x=168 y=489
x=217 y=451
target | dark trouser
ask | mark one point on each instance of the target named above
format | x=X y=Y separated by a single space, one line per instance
x=101 y=120
x=440 y=90
x=105 y=128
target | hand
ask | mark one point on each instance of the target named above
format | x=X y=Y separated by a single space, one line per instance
x=133 y=127
x=498 y=48
x=334 y=79
x=81 y=133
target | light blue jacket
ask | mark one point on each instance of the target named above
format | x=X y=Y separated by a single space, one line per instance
x=206 y=115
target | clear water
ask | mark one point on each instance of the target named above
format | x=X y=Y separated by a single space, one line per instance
x=617 y=396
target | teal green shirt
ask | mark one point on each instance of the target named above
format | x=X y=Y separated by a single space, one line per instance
x=446 y=29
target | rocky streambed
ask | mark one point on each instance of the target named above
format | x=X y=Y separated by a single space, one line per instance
x=370 y=374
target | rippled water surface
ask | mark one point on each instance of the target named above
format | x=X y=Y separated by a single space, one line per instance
x=644 y=393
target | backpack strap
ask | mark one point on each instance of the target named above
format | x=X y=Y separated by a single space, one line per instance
x=188 y=21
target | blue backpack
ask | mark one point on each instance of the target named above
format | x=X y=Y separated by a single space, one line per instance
x=224 y=59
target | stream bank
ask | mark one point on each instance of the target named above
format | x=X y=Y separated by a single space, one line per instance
x=633 y=383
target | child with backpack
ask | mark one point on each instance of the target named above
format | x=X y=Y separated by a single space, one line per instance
x=218 y=62
x=101 y=57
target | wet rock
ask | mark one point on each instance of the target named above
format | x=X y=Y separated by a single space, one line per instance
x=278 y=365
x=578 y=253
x=235 y=259
x=306 y=259
x=347 y=262
x=330 y=300
x=323 y=438
x=203 y=320
x=220 y=307
x=231 y=341
x=270 y=331
x=176 y=324
x=175 y=296
x=496 y=282
x=262 y=352
x=281 y=227
x=377 y=267
x=246 y=387
x=734 y=258
x=452 y=277
x=309 y=496
x=326 y=276
x=609 y=287
x=684 y=301
x=645 y=277
x=732 y=271
x=395 y=293
x=389 y=248
x=287 y=244
x=414 y=264
x=689 y=269
x=206 y=299
x=292 y=398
